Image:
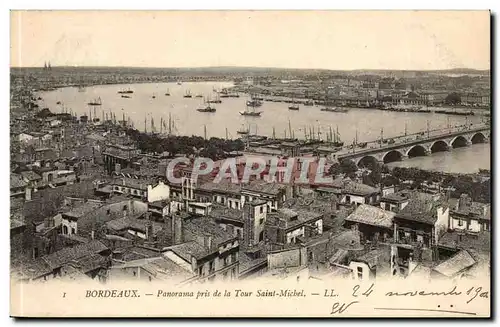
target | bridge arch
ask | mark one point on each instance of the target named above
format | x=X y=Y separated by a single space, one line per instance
x=478 y=137
x=417 y=151
x=392 y=156
x=439 y=146
x=367 y=161
x=458 y=142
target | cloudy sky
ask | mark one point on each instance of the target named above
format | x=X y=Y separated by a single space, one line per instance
x=296 y=39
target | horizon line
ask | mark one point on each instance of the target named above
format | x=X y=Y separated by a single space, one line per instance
x=263 y=67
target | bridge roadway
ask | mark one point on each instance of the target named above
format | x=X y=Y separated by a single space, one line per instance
x=417 y=144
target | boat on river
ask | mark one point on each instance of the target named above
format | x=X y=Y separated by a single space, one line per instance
x=335 y=109
x=128 y=91
x=95 y=102
x=250 y=112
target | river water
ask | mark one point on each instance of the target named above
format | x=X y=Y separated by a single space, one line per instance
x=367 y=124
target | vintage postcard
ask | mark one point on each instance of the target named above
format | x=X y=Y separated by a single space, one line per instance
x=250 y=164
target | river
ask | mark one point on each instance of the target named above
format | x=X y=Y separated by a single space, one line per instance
x=366 y=123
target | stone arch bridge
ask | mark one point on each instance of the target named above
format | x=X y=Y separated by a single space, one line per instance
x=422 y=146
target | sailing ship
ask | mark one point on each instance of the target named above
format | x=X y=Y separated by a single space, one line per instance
x=217 y=99
x=254 y=102
x=179 y=83
x=251 y=112
x=334 y=109
x=188 y=94
x=198 y=96
x=95 y=102
x=127 y=91
x=206 y=108
x=243 y=130
x=126 y=96
x=336 y=138
x=167 y=93
x=293 y=106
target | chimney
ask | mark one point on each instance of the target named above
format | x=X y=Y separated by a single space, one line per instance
x=464 y=202
x=207 y=241
x=149 y=229
x=177 y=230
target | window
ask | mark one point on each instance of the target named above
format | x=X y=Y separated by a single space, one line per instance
x=360 y=272
x=200 y=271
x=261 y=221
x=233 y=257
x=261 y=209
x=238 y=233
x=125 y=207
x=211 y=267
x=460 y=223
x=134 y=273
x=348 y=199
x=261 y=236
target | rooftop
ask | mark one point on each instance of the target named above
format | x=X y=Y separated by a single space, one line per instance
x=292 y=218
x=188 y=249
x=82 y=209
x=206 y=226
x=225 y=212
x=480 y=242
x=16 y=181
x=459 y=262
x=370 y=215
x=359 y=189
x=422 y=207
x=159 y=267
x=59 y=258
x=260 y=186
x=224 y=186
x=30 y=175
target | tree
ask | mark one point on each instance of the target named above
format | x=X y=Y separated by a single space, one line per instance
x=453 y=98
x=348 y=167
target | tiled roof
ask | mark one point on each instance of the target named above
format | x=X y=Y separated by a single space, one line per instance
x=460 y=261
x=359 y=189
x=132 y=223
x=225 y=212
x=224 y=186
x=188 y=249
x=422 y=208
x=206 y=226
x=292 y=218
x=246 y=263
x=370 y=215
x=375 y=258
x=397 y=197
x=83 y=209
x=31 y=175
x=33 y=269
x=134 y=183
x=159 y=267
x=480 y=242
x=16 y=181
x=260 y=186
x=59 y=258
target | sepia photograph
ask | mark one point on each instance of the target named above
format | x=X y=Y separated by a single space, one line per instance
x=228 y=163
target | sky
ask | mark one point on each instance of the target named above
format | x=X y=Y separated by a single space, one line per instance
x=338 y=40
